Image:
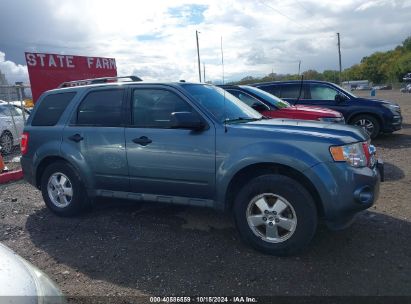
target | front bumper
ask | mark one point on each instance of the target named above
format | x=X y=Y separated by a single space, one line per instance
x=344 y=190
x=394 y=124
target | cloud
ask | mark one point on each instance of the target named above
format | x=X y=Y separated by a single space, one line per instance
x=14 y=72
x=156 y=40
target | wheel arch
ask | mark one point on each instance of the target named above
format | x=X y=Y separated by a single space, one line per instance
x=375 y=115
x=45 y=162
x=247 y=173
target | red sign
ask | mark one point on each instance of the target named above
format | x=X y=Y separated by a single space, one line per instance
x=48 y=71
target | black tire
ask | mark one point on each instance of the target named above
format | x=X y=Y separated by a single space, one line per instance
x=296 y=195
x=358 y=121
x=79 y=200
x=6 y=137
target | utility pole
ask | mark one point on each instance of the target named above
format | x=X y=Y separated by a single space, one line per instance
x=222 y=57
x=204 y=72
x=299 y=67
x=198 y=57
x=339 y=54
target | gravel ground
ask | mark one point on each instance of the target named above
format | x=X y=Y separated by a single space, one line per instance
x=123 y=248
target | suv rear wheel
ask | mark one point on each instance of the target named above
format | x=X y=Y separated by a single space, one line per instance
x=62 y=189
x=275 y=215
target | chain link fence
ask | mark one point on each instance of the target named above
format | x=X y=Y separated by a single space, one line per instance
x=15 y=107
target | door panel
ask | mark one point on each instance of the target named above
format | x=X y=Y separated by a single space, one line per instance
x=98 y=134
x=167 y=161
x=176 y=162
x=104 y=151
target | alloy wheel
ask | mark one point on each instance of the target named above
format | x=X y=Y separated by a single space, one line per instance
x=271 y=217
x=60 y=190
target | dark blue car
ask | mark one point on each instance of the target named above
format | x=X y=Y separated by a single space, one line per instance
x=375 y=116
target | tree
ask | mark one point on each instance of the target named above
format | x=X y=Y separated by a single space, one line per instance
x=407 y=44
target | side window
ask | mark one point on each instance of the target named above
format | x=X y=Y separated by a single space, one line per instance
x=291 y=91
x=15 y=111
x=322 y=92
x=152 y=108
x=247 y=99
x=4 y=111
x=272 y=89
x=51 y=108
x=101 y=108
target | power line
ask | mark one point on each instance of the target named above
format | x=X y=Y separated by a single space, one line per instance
x=284 y=15
x=310 y=12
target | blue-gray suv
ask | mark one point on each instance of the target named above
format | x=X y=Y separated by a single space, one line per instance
x=195 y=144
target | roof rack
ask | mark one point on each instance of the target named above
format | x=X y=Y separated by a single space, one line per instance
x=82 y=82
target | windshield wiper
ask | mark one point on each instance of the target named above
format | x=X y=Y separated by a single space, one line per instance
x=241 y=119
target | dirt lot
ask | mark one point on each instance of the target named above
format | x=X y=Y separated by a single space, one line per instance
x=130 y=249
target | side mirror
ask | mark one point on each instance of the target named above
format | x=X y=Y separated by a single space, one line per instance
x=187 y=120
x=340 y=98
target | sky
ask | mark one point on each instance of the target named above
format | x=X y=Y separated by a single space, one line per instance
x=155 y=39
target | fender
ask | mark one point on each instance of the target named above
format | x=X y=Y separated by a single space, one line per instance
x=372 y=113
x=263 y=152
x=74 y=157
x=68 y=153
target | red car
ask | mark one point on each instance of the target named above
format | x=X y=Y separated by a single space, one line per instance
x=272 y=106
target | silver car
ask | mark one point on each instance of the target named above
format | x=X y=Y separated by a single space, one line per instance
x=11 y=127
x=21 y=282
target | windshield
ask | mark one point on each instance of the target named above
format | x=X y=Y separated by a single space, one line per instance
x=271 y=99
x=221 y=104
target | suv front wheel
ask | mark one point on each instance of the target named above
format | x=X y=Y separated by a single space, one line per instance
x=369 y=123
x=275 y=215
x=62 y=189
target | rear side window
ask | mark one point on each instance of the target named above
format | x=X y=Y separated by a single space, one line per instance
x=101 y=108
x=272 y=89
x=291 y=91
x=51 y=108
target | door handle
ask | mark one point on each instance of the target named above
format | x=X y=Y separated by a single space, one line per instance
x=143 y=140
x=76 y=137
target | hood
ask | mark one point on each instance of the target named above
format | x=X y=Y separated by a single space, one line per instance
x=320 y=112
x=380 y=101
x=19 y=278
x=15 y=277
x=304 y=130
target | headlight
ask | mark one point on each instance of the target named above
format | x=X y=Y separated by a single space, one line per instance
x=392 y=107
x=353 y=154
x=332 y=119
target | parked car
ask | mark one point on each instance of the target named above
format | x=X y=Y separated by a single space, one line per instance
x=407 y=77
x=193 y=144
x=21 y=282
x=274 y=107
x=382 y=87
x=406 y=89
x=375 y=116
x=11 y=127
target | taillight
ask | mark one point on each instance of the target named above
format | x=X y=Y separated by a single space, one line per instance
x=24 y=143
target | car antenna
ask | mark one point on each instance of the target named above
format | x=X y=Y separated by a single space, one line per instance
x=222 y=65
x=301 y=89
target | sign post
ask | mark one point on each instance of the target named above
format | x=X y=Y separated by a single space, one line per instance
x=48 y=71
